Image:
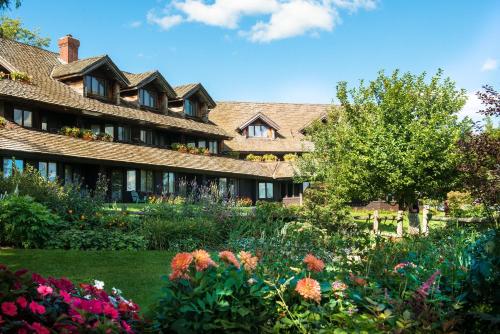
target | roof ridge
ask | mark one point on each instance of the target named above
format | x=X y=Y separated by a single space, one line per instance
x=29 y=45
x=276 y=103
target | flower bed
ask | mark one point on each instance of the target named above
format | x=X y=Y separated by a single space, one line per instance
x=30 y=303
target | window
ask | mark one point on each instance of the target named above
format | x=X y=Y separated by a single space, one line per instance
x=168 y=183
x=95 y=128
x=109 y=130
x=96 y=86
x=68 y=174
x=202 y=143
x=44 y=123
x=23 y=117
x=258 y=131
x=265 y=190
x=213 y=146
x=191 y=144
x=123 y=133
x=190 y=107
x=8 y=168
x=147 y=181
x=48 y=170
x=223 y=186
x=131 y=180
x=147 y=98
x=147 y=136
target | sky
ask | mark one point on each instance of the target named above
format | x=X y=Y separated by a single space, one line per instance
x=282 y=50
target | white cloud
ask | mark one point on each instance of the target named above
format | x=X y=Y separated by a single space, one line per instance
x=135 y=24
x=166 y=22
x=490 y=64
x=276 y=19
x=471 y=108
x=224 y=13
x=295 y=18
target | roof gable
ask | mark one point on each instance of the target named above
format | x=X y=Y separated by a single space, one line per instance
x=84 y=66
x=263 y=118
x=185 y=91
x=138 y=80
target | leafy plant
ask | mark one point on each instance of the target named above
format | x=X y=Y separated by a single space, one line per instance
x=25 y=223
x=3 y=122
x=253 y=157
x=269 y=158
x=290 y=157
x=21 y=76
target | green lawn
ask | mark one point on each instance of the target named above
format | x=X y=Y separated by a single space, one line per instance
x=136 y=273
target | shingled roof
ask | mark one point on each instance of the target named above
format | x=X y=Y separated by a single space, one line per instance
x=291 y=119
x=14 y=138
x=187 y=90
x=40 y=63
x=137 y=80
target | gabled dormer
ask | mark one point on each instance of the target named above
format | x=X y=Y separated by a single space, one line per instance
x=149 y=91
x=259 y=126
x=95 y=77
x=193 y=101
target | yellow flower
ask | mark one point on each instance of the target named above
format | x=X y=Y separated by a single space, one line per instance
x=309 y=288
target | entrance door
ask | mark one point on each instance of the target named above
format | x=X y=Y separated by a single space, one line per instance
x=116 y=185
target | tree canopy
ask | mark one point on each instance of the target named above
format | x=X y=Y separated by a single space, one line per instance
x=396 y=135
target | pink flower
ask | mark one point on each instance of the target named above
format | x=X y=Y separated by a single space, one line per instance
x=65 y=296
x=37 y=308
x=39 y=328
x=110 y=311
x=21 y=301
x=44 y=290
x=22 y=331
x=424 y=289
x=126 y=327
x=9 y=308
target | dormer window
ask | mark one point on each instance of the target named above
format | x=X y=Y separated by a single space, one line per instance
x=148 y=98
x=258 y=131
x=96 y=86
x=190 y=107
x=23 y=117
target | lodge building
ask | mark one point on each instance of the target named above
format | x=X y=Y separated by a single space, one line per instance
x=74 y=119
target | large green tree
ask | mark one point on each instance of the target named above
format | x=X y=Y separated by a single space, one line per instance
x=396 y=135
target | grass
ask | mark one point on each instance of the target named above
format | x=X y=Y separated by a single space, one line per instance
x=136 y=273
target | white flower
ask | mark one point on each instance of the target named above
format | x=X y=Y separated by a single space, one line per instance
x=251 y=281
x=116 y=291
x=88 y=297
x=98 y=284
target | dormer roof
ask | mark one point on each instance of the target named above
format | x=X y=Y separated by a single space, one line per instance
x=138 y=80
x=187 y=90
x=84 y=66
x=263 y=118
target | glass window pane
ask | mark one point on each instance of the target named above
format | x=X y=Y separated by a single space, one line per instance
x=19 y=165
x=52 y=171
x=143 y=136
x=28 y=118
x=251 y=131
x=131 y=181
x=223 y=185
x=7 y=167
x=171 y=183
x=68 y=174
x=110 y=130
x=149 y=180
x=269 y=187
x=202 y=144
x=262 y=190
x=18 y=116
x=191 y=144
x=44 y=123
x=95 y=128
x=42 y=169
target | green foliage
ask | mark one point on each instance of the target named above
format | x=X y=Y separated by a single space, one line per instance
x=461 y=204
x=215 y=301
x=3 y=122
x=6 y=4
x=96 y=239
x=253 y=157
x=290 y=157
x=395 y=135
x=13 y=29
x=269 y=158
x=25 y=223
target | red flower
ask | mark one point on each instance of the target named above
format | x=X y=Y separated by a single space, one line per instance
x=38 y=279
x=9 y=308
x=44 y=290
x=21 y=272
x=110 y=311
x=21 y=301
x=37 y=308
x=39 y=328
x=313 y=263
x=65 y=296
x=126 y=327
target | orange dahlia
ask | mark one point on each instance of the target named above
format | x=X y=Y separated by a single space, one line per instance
x=309 y=288
x=229 y=258
x=180 y=265
x=249 y=262
x=202 y=260
x=357 y=280
x=313 y=263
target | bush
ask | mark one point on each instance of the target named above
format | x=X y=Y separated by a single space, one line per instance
x=3 y=122
x=269 y=158
x=244 y=202
x=253 y=157
x=25 y=223
x=33 y=304
x=290 y=157
x=97 y=239
x=463 y=205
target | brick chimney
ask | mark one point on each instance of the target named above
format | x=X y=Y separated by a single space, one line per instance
x=68 y=48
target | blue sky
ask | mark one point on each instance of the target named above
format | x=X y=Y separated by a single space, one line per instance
x=281 y=50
